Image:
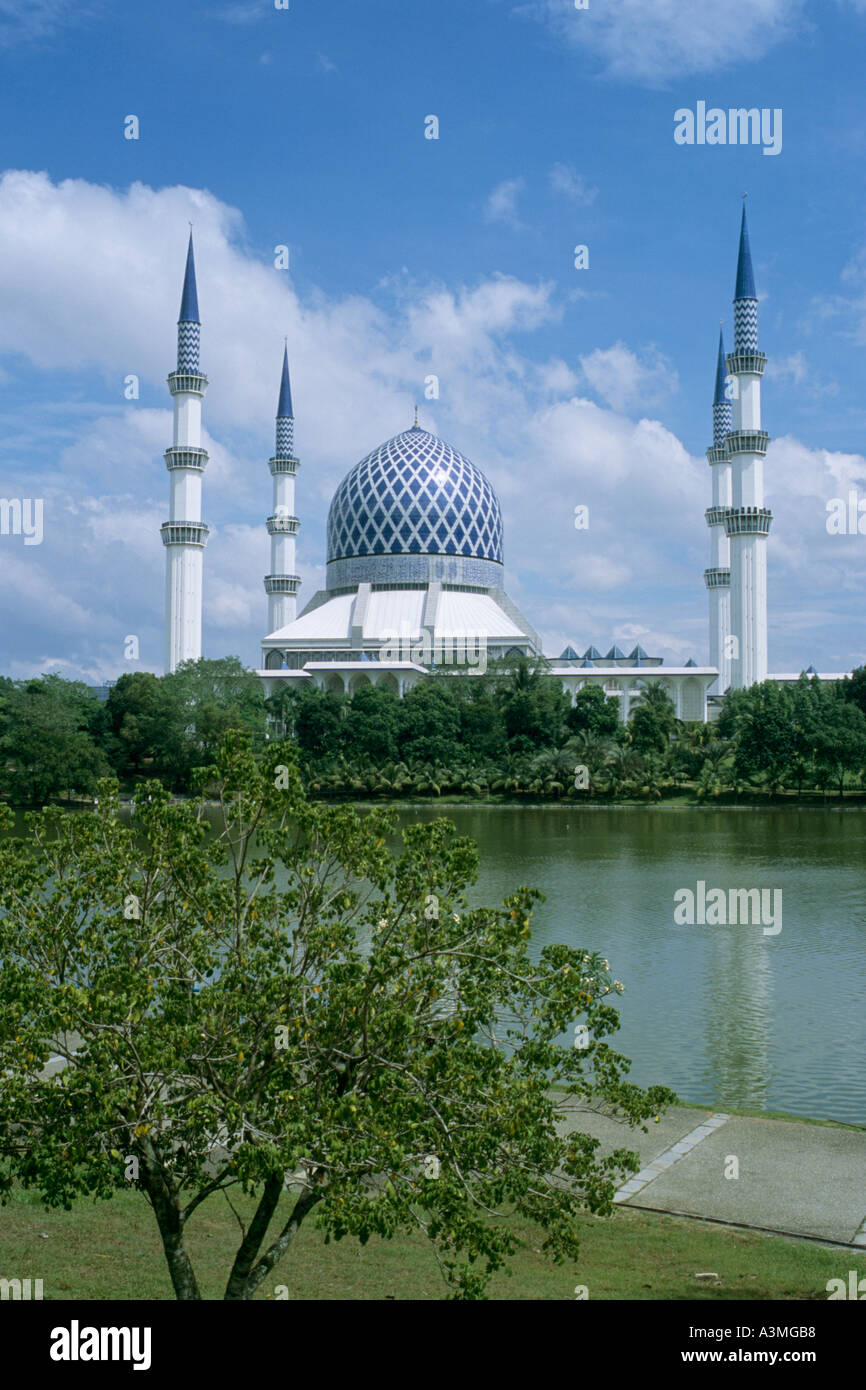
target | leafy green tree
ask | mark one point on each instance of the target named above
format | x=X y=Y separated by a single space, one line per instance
x=285 y=1002
x=482 y=727
x=653 y=720
x=51 y=731
x=317 y=723
x=853 y=688
x=839 y=742
x=535 y=709
x=138 y=713
x=759 y=721
x=593 y=712
x=429 y=728
x=371 y=725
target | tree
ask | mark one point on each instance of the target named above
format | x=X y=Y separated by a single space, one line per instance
x=138 y=715
x=653 y=720
x=50 y=735
x=429 y=722
x=206 y=699
x=316 y=718
x=593 y=712
x=760 y=720
x=840 y=742
x=482 y=727
x=853 y=688
x=535 y=710
x=371 y=725
x=286 y=1001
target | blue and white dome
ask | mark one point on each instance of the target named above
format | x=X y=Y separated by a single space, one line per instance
x=414 y=510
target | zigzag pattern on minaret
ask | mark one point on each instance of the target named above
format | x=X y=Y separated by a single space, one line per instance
x=285 y=436
x=188 y=346
x=723 y=419
x=745 y=325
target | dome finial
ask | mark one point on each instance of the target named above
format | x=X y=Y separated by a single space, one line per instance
x=416 y=426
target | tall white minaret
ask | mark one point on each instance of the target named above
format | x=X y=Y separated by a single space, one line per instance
x=282 y=584
x=718 y=577
x=748 y=521
x=185 y=535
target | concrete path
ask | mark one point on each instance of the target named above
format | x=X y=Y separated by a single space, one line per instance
x=773 y=1175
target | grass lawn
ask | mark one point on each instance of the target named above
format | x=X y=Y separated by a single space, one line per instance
x=111 y=1250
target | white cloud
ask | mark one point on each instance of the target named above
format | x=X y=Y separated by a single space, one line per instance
x=501 y=205
x=652 y=43
x=24 y=21
x=565 y=179
x=90 y=278
x=624 y=381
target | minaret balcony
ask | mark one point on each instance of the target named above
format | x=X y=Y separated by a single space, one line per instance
x=287 y=465
x=746 y=363
x=716 y=515
x=184 y=533
x=282 y=583
x=748 y=521
x=187 y=383
x=717 y=579
x=283 y=526
x=186 y=458
x=717 y=453
x=747 y=442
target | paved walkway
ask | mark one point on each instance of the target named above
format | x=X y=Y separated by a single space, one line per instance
x=793 y=1178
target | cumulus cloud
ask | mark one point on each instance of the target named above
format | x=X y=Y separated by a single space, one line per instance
x=652 y=44
x=23 y=21
x=566 y=180
x=90 y=280
x=501 y=204
x=624 y=380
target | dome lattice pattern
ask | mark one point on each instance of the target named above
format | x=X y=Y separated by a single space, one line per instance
x=415 y=495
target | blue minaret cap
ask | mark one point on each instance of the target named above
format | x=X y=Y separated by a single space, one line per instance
x=721 y=374
x=745 y=275
x=284 y=409
x=189 y=301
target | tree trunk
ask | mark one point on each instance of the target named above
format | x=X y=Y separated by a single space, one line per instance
x=168 y=1219
x=249 y=1247
x=243 y=1286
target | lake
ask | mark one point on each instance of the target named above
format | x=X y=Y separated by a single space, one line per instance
x=745 y=1016
x=728 y=1016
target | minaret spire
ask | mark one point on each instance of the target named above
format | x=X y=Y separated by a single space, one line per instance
x=745 y=297
x=282 y=584
x=185 y=534
x=747 y=520
x=189 y=323
x=718 y=577
x=722 y=408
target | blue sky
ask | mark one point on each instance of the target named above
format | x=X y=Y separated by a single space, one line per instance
x=410 y=256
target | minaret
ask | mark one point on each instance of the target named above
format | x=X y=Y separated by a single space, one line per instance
x=718 y=577
x=748 y=520
x=185 y=535
x=282 y=584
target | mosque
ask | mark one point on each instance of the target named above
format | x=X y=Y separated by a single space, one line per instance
x=415 y=578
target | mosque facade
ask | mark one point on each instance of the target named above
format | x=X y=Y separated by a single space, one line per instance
x=415 y=577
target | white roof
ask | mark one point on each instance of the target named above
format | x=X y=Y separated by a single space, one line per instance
x=467 y=614
x=393 y=612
